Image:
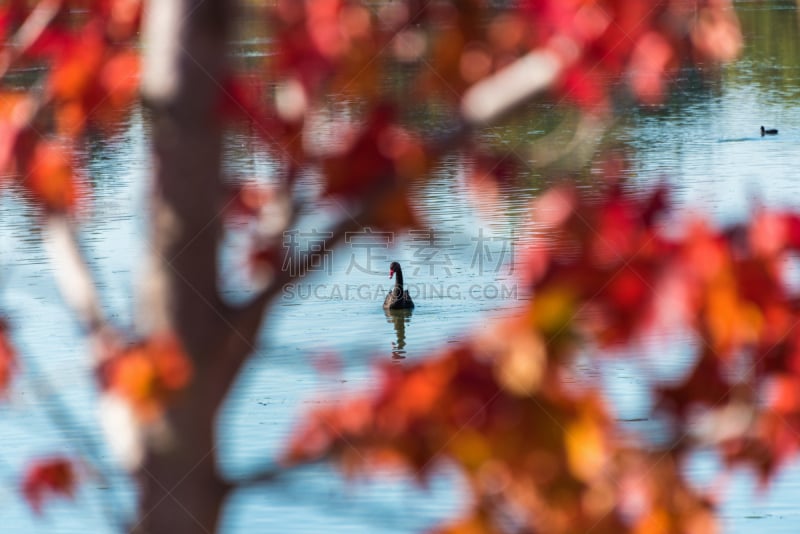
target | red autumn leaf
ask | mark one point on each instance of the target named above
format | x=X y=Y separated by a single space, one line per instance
x=50 y=177
x=784 y=394
x=379 y=164
x=632 y=40
x=241 y=101
x=112 y=88
x=50 y=43
x=118 y=79
x=625 y=301
x=92 y=81
x=298 y=55
x=655 y=205
x=17 y=138
x=11 y=16
x=751 y=451
x=716 y=34
x=76 y=69
x=616 y=231
x=792 y=222
x=248 y=199
x=10 y=104
x=263 y=260
x=48 y=478
x=649 y=64
x=240 y=97
x=121 y=17
x=758 y=281
x=585 y=88
x=148 y=375
x=391 y=212
x=367 y=164
x=705 y=385
x=8 y=357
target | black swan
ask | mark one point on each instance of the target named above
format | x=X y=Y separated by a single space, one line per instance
x=771 y=131
x=397 y=299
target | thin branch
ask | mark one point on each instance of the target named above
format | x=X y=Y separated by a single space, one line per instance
x=267 y=475
x=248 y=318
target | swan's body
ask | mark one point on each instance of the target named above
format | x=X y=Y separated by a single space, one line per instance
x=397 y=299
x=770 y=131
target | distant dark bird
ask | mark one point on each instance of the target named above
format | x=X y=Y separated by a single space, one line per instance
x=771 y=131
x=397 y=299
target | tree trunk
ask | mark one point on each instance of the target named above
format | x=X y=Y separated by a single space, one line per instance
x=184 y=69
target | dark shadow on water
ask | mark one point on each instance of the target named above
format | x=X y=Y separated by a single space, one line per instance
x=398 y=318
x=741 y=139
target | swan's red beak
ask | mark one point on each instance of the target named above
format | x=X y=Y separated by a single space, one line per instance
x=391 y=272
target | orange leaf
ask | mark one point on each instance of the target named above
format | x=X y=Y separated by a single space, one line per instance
x=50 y=177
x=15 y=108
x=12 y=14
x=122 y=17
x=119 y=78
x=10 y=102
x=77 y=68
x=149 y=374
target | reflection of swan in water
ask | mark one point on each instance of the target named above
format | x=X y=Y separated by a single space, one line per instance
x=399 y=318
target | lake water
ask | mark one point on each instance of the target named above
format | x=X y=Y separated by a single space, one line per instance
x=705 y=142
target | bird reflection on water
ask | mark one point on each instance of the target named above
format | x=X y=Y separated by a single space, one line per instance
x=398 y=318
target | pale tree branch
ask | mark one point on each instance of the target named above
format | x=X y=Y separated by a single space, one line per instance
x=72 y=272
x=508 y=89
x=34 y=26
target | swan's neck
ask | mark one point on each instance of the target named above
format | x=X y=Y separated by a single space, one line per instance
x=398 y=279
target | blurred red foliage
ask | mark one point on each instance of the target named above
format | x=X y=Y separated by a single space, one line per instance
x=51 y=178
x=148 y=375
x=537 y=455
x=8 y=357
x=497 y=405
x=48 y=478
